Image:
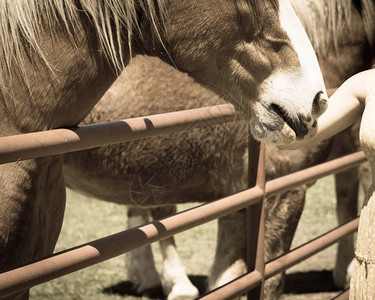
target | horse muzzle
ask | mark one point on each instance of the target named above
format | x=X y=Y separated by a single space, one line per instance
x=279 y=124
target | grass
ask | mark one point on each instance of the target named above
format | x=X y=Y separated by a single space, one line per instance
x=87 y=219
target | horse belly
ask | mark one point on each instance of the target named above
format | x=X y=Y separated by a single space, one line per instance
x=144 y=190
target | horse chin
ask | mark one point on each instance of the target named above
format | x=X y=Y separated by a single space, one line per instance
x=282 y=136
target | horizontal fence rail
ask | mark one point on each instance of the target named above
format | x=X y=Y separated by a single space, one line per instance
x=58 y=141
x=97 y=251
x=287 y=182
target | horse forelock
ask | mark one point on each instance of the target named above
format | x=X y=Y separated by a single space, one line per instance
x=257 y=10
x=325 y=21
x=21 y=21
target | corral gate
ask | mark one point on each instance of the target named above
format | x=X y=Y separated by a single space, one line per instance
x=58 y=141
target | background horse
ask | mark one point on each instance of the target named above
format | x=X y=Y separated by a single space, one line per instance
x=59 y=57
x=209 y=163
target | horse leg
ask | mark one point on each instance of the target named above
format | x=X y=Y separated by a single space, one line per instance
x=230 y=256
x=175 y=282
x=282 y=216
x=140 y=263
x=346 y=209
x=32 y=203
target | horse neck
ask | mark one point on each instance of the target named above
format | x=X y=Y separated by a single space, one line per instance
x=40 y=96
x=61 y=94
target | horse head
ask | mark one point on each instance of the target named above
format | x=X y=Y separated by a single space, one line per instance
x=256 y=55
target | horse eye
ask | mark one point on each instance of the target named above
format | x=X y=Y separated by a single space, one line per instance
x=277 y=45
x=276 y=42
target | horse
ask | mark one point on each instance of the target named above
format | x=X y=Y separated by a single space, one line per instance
x=209 y=163
x=59 y=57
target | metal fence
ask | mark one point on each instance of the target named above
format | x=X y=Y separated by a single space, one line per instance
x=39 y=144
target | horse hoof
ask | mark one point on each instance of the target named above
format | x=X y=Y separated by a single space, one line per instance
x=183 y=291
x=349 y=273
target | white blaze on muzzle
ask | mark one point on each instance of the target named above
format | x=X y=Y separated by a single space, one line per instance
x=291 y=91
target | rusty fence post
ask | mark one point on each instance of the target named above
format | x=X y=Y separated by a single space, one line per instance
x=255 y=216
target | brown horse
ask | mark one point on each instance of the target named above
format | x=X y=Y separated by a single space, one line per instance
x=205 y=164
x=59 y=57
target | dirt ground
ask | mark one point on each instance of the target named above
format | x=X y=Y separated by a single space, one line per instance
x=88 y=219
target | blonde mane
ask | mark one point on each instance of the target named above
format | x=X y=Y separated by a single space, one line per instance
x=326 y=20
x=21 y=21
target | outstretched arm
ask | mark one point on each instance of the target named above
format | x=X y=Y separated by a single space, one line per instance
x=345 y=107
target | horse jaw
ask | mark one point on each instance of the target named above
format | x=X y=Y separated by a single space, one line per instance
x=291 y=100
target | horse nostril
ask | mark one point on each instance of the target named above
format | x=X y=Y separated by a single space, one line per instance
x=317 y=98
x=319 y=104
